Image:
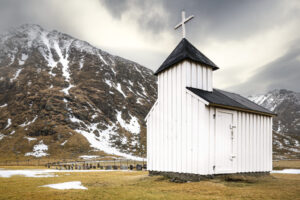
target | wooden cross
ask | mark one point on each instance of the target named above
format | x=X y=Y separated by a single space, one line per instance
x=182 y=23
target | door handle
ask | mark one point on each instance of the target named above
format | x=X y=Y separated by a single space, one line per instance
x=232 y=126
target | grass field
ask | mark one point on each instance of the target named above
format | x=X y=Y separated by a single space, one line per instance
x=138 y=185
x=286 y=164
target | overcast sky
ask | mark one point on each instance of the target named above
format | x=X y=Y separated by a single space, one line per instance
x=256 y=43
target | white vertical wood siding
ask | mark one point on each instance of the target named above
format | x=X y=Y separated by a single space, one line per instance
x=254 y=143
x=181 y=128
x=198 y=76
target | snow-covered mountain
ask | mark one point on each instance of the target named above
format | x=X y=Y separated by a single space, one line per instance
x=286 y=104
x=62 y=96
x=286 y=125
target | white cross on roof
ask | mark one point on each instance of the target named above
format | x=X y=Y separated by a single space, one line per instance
x=182 y=23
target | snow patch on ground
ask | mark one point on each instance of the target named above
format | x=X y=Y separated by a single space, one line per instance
x=143 y=88
x=294 y=149
x=101 y=58
x=16 y=75
x=279 y=144
x=49 y=58
x=2 y=136
x=139 y=101
x=23 y=59
x=67 y=186
x=112 y=69
x=65 y=63
x=101 y=142
x=41 y=173
x=81 y=63
x=94 y=115
x=39 y=150
x=30 y=138
x=13 y=132
x=120 y=90
x=12 y=59
x=87 y=157
x=296 y=143
x=26 y=173
x=8 y=123
x=62 y=144
x=75 y=120
x=63 y=59
x=286 y=171
x=108 y=82
x=133 y=126
x=112 y=61
x=4 y=105
x=130 y=82
x=30 y=122
x=66 y=90
x=286 y=142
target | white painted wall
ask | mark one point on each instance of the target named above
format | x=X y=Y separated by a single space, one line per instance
x=198 y=76
x=253 y=143
x=181 y=128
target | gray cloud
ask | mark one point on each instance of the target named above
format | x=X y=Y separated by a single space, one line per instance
x=230 y=20
x=116 y=7
x=14 y=13
x=282 y=73
x=146 y=21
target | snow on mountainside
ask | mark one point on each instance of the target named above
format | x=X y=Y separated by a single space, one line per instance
x=286 y=125
x=58 y=89
x=286 y=104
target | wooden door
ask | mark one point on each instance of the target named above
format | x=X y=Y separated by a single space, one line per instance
x=224 y=136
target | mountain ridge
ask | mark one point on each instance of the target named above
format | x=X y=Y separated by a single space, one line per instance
x=71 y=87
x=286 y=125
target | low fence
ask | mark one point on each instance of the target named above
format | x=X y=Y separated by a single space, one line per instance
x=99 y=164
x=69 y=164
x=29 y=162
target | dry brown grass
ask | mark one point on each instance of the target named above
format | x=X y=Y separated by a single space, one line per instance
x=286 y=164
x=138 y=185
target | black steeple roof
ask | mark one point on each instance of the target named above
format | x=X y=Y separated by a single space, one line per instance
x=185 y=50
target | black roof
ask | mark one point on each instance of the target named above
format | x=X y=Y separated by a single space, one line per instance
x=185 y=50
x=229 y=100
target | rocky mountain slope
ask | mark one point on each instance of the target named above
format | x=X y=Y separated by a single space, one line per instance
x=62 y=97
x=286 y=126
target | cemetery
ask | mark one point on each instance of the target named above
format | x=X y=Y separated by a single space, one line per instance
x=99 y=165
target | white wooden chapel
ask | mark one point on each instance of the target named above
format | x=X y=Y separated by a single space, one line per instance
x=194 y=128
